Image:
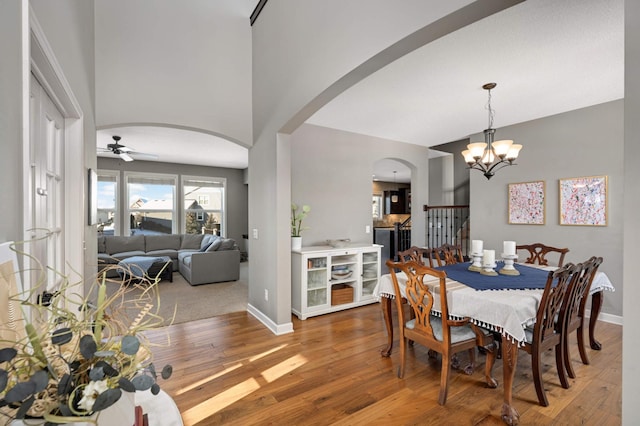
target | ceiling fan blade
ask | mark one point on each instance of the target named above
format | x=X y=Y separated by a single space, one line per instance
x=125 y=156
x=142 y=155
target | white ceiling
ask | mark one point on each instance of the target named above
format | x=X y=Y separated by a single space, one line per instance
x=547 y=57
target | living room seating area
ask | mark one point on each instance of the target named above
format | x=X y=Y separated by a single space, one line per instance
x=201 y=259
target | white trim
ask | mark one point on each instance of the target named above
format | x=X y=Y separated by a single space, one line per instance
x=277 y=329
x=610 y=318
x=39 y=58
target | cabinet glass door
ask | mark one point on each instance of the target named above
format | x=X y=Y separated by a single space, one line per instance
x=317 y=282
x=369 y=274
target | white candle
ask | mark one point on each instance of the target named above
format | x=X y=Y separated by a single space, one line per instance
x=488 y=257
x=476 y=246
x=509 y=247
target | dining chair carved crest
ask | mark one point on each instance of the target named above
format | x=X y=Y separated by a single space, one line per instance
x=448 y=254
x=572 y=311
x=417 y=254
x=538 y=253
x=547 y=332
x=438 y=333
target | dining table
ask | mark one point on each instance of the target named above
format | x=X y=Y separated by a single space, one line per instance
x=506 y=304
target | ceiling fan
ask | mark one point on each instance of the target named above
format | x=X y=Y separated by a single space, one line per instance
x=125 y=152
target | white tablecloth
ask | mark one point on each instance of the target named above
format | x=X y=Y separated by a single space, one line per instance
x=506 y=311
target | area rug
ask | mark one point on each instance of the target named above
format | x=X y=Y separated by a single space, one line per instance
x=190 y=303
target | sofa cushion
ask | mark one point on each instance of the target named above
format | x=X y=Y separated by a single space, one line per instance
x=215 y=245
x=227 y=244
x=207 y=240
x=183 y=255
x=191 y=241
x=173 y=254
x=102 y=245
x=162 y=242
x=120 y=244
x=125 y=254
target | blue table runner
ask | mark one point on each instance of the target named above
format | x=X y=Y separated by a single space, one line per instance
x=529 y=278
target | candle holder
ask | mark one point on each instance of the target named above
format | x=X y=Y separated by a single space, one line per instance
x=476 y=263
x=489 y=270
x=508 y=268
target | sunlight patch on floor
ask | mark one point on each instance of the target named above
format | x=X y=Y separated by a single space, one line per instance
x=209 y=378
x=263 y=354
x=283 y=368
x=239 y=391
x=220 y=401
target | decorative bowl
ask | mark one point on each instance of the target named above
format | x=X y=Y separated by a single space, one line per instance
x=339 y=243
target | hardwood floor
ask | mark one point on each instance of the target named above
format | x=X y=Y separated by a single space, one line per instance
x=231 y=370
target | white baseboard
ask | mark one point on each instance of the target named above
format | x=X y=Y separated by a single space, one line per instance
x=610 y=318
x=276 y=329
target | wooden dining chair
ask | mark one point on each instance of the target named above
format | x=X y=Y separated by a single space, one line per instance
x=547 y=332
x=420 y=255
x=448 y=254
x=438 y=333
x=539 y=251
x=572 y=311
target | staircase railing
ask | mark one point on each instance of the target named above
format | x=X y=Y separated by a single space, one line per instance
x=401 y=236
x=448 y=224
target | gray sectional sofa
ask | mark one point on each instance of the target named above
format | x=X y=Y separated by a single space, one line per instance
x=201 y=259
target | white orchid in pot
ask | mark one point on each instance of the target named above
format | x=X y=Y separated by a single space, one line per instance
x=297 y=216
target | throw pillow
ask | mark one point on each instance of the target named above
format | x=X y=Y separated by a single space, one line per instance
x=215 y=245
x=206 y=246
x=227 y=244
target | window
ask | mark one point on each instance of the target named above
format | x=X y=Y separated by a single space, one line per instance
x=151 y=204
x=108 y=203
x=203 y=204
x=377 y=207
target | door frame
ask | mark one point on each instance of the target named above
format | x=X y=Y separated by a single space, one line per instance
x=44 y=65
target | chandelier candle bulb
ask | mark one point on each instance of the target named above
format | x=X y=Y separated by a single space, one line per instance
x=509 y=247
x=476 y=246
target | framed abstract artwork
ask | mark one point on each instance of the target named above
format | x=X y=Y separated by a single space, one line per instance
x=527 y=203
x=583 y=201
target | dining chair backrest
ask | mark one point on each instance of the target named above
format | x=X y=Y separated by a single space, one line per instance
x=573 y=307
x=538 y=252
x=555 y=289
x=547 y=331
x=417 y=254
x=419 y=296
x=448 y=254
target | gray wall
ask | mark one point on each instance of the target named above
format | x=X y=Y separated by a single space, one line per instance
x=331 y=171
x=585 y=142
x=237 y=192
x=11 y=121
x=631 y=331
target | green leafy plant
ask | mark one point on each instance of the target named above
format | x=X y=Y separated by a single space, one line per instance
x=296 y=219
x=70 y=364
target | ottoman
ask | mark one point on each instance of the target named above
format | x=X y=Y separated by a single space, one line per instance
x=146 y=267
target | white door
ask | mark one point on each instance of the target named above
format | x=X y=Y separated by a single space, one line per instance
x=46 y=195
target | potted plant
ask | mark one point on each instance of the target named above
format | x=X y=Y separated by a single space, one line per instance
x=296 y=225
x=79 y=366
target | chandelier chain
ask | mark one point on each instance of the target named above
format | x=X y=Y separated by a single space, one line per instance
x=491 y=111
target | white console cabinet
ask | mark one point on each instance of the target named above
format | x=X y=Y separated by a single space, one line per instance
x=326 y=279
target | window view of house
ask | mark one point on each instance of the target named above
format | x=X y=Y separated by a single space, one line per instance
x=203 y=204
x=151 y=204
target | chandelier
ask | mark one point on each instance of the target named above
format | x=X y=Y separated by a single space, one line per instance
x=489 y=156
